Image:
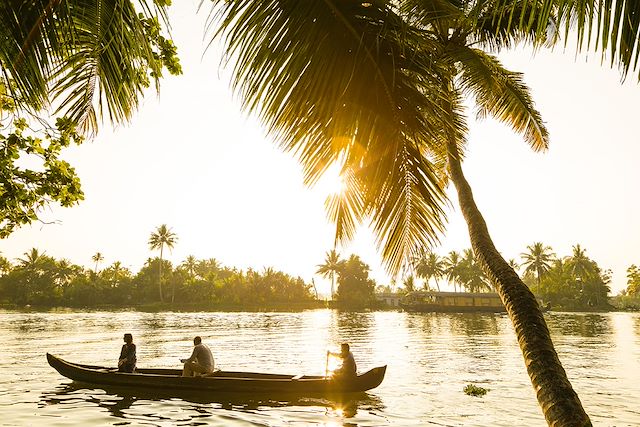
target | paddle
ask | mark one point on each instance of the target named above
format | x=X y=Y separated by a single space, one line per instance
x=326 y=366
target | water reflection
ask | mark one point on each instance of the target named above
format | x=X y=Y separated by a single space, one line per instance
x=118 y=400
x=581 y=324
x=354 y=322
x=474 y=324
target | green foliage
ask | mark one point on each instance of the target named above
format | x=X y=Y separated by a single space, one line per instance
x=355 y=288
x=633 y=280
x=330 y=268
x=474 y=390
x=83 y=58
x=32 y=174
x=576 y=283
x=626 y=302
x=38 y=279
x=465 y=271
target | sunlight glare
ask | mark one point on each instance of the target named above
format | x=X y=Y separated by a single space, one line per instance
x=331 y=182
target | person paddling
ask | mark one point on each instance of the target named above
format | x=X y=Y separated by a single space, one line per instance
x=348 y=368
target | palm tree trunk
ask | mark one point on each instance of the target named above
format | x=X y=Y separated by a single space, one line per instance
x=333 y=278
x=160 y=275
x=559 y=402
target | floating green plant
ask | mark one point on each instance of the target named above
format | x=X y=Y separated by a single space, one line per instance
x=474 y=390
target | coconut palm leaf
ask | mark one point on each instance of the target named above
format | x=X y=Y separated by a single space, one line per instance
x=610 y=27
x=501 y=94
x=95 y=57
x=346 y=82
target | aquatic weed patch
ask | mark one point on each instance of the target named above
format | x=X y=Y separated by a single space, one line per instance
x=474 y=390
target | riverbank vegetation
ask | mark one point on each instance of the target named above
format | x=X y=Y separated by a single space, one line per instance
x=573 y=282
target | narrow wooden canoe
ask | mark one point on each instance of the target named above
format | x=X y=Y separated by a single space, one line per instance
x=220 y=381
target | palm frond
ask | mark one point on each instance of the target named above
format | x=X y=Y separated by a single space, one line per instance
x=29 y=43
x=107 y=69
x=95 y=56
x=407 y=207
x=346 y=209
x=501 y=94
x=349 y=82
x=615 y=24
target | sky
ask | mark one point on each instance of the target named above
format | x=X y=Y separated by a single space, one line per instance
x=191 y=159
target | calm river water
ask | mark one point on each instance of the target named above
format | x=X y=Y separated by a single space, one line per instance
x=430 y=358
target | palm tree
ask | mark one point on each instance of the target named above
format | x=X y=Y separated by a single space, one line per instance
x=378 y=87
x=537 y=260
x=5 y=266
x=428 y=265
x=97 y=258
x=471 y=275
x=579 y=264
x=163 y=236
x=453 y=267
x=330 y=268
x=190 y=264
x=33 y=260
x=95 y=58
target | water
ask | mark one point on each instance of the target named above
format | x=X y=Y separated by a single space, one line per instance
x=430 y=358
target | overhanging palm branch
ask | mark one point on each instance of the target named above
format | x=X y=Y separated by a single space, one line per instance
x=606 y=26
x=327 y=79
x=87 y=54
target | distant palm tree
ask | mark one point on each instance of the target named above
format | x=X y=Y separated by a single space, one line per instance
x=452 y=264
x=163 y=236
x=429 y=265
x=190 y=264
x=207 y=268
x=97 y=258
x=5 y=265
x=33 y=260
x=579 y=264
x=330 y=268
x=116 y=272
x=471 y=274
x=408 y=283
x=537 y=260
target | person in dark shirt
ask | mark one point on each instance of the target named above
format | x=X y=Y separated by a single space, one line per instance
x=348 y=367
x=127 y=360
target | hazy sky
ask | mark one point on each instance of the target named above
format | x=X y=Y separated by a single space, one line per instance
x=193 y=160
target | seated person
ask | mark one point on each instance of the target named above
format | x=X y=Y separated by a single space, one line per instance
x=200 y=361
x=348 y=367
x=127 y=359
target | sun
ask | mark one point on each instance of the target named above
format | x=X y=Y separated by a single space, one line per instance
x=331 y=182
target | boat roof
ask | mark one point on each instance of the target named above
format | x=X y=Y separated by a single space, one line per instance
x=455 y=294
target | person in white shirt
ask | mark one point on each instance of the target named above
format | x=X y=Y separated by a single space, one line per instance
x=348 y=367
x=200 y=361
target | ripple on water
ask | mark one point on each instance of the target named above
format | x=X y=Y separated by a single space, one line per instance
x=430 y=358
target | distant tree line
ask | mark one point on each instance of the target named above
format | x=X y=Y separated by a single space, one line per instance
x=39 y=279
x=573 y=282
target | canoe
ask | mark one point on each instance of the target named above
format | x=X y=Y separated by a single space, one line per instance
x=220 y=381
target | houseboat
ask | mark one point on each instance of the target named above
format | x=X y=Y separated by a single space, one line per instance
x=452 y=302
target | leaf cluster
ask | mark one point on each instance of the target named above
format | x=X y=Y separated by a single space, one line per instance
x=32 y=174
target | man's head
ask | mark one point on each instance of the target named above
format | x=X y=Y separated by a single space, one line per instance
x=128 y=338
x=344 y=348
x=197 y=340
